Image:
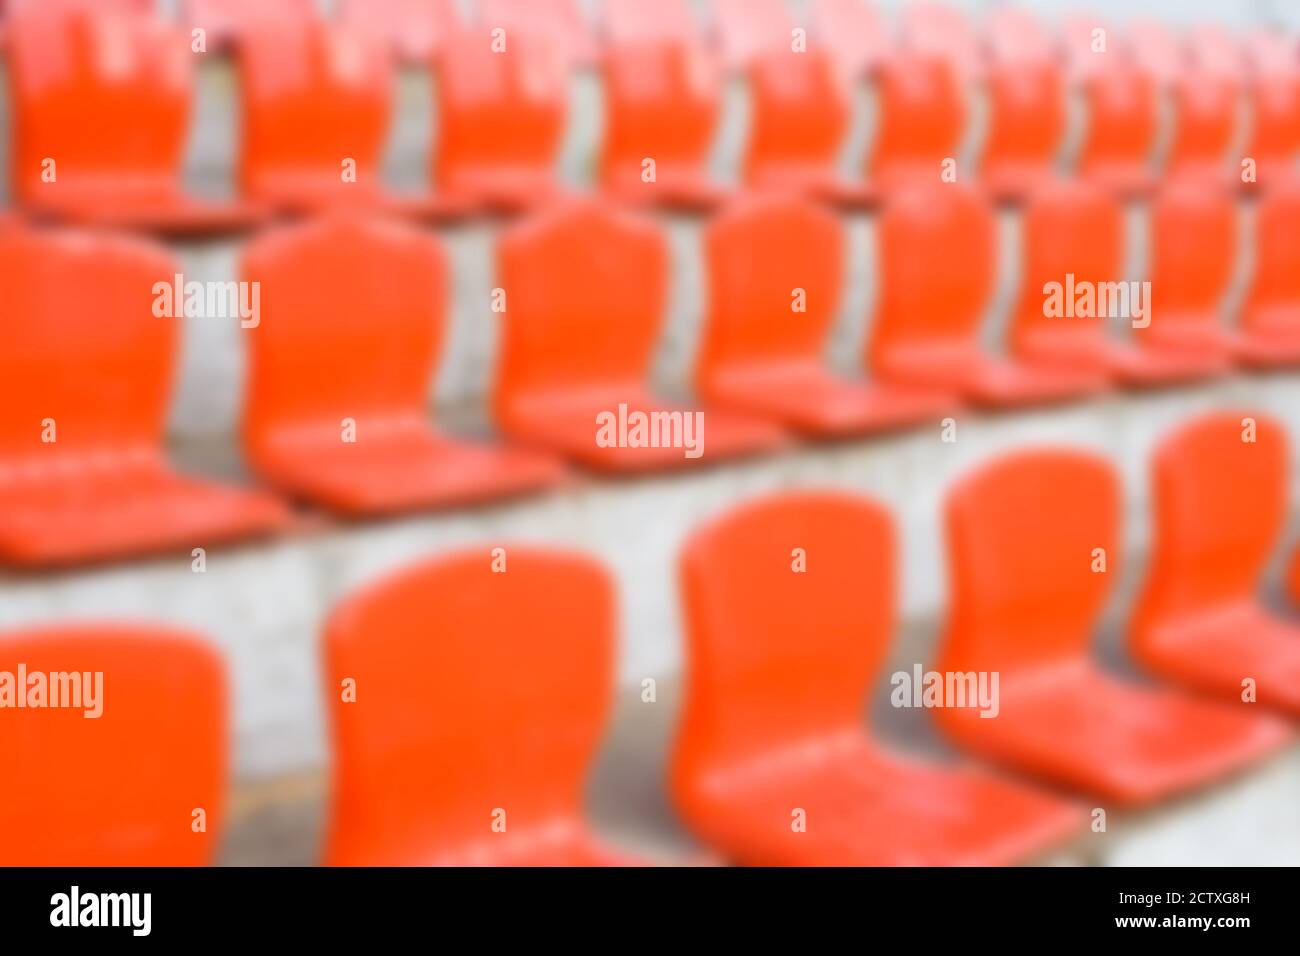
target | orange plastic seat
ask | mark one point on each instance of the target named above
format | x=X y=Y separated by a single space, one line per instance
x=501 y=116
x=799 y=118
x=413 y=31
x=747 y=30
x=922 y=118
x=101 y=106
x=120 y=788
x=939 y=29
x=1220 y=507
x=1274 y=89
x=1207 y=95
x=85 y=374
x=1157 y=50
x=558 y=25
x=635 y=21
x=1123 y=117
x=1024 y=599
x=314 y=97
x=661 y=104
x=481 y=697
x=1269 y=323
x=926 y=331
x=1194 y=240
x=759 y=356
x=853 y=31
x=1074 y=233
x=227 y=22
x=778 y=666
x=1026 y=93
x=585 y=293
x=351 y=331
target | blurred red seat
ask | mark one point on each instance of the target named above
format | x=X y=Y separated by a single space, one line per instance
x=661 y=105
x=1273 y=85
x=799 y=117
x=1157 y=49
x=1194 y=239
x=853 y=31
x=585 y=288
x=635 y=21
x=926 y=330
x=1220 y=508
x=1073 y=237
x=481 y=696
x=746 y=30
x=353 y=325
x=557 y=25
x=85 y=373
x=413 y=31
x=101 y=106
x=939 y=29
x=317 y=99
x=1269 y=323
x=1122 y=125
x=501 y=116
x=761 y=355
x=1023 y=537
x=1208 y=117
x=1027 y=106
x=125 y=787
x=227 y=21
x=922 y=119
x=779 y=663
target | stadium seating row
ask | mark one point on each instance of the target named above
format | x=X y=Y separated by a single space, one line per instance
x=335 y=408
x=442 y=756
x=101 y=104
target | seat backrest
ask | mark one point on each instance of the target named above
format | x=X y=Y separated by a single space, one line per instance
x=83 y=346
x=799 y=114
x=1157 y=49
x=636 y=22
x=1193 y=250
x=928 y=303
x=314 y=96
x=498 y=109
x=1274 y=286
x=1220 y=505
x=922 y=114
x=1013 y=35
x=661 y=103
x=1023 y=532
x=1027 y=114
x=558 y=25
x=226 y=21
x=1208 y=118
x=105 y=99
x=852 y=30
x=1071 y=233
x=585 y=287
x=767 y=255
x=414 y=30
x=477 y=691
x=789 y=609
x=11 y=9
x=122 y=788
x=1123 y=117
x=939 y=29
x=747 y=29
x=1274 y=82
x=352 y=319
